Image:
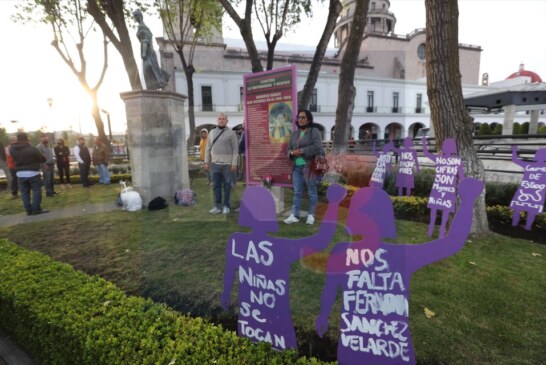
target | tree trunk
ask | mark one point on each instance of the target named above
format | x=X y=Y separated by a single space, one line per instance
x=245 y=27
x=312 y=77
x=115 y=11
x=95 y=111
x=346 y=89
x=448 y=114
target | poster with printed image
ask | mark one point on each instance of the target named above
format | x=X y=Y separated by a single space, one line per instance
x=270 y=109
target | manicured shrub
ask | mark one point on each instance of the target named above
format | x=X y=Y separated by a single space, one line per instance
x=62 y=316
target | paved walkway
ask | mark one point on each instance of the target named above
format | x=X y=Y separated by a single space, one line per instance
x=55 y=213
x=10 y=354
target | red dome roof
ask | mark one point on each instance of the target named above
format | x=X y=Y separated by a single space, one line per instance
x=522 y=72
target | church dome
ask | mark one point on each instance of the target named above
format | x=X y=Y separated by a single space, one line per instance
x=525 y=73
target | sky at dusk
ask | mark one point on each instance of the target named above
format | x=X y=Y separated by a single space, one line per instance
x=509 y=32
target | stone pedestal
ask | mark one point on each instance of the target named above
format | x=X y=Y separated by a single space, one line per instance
x=157 y=143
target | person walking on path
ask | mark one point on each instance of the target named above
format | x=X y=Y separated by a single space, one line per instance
x=27 y=161
x=62 y=156
x=81 y=152
x=221 y=155
x=12 y=170
x=100 y=160
x=48 y=168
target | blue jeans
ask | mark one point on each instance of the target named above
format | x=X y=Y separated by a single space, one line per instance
x=104 y=174
x=221 y=177
x=26 y=185
x=301 y=176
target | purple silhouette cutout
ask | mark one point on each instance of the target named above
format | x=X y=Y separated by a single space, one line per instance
x=263 y=264
x=375 y=276
x=407 y=165
x=531 y=191
x=383 y=165
x=444 y=189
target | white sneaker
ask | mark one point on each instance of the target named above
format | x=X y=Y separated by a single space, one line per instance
x=310 y=219
x=215 y=210
x=225 y=211
x=291 y=219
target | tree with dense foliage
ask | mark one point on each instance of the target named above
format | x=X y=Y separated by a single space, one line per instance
x=485 y=130
x=70 y=25
x=447 y=110
x=187 y=24
x=346 y=89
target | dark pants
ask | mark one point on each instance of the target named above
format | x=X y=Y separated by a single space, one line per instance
x=84 y=173
x=14 y=183
x=48 y=174
x=28 y=185
x=221 y=178
x=64 y=170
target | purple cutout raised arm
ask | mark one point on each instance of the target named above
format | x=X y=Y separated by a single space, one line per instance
x=448 y=168
x=531 y=192
x=375 y=276
x=263 y=265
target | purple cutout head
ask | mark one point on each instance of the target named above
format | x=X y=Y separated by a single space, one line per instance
x=374 y=204
x=258 y=210
x=408 y=142
x=540 y=155
x=449 y=148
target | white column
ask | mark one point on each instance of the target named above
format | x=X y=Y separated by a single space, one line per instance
x=508 y=123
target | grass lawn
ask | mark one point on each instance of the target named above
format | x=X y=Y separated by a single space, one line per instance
x=488 y=299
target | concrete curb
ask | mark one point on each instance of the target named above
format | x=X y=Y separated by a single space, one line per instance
x=10 y=354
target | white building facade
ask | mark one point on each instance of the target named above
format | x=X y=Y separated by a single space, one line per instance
x=391 y=99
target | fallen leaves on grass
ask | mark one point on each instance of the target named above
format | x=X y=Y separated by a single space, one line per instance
x=428 y=313
x=535 y=254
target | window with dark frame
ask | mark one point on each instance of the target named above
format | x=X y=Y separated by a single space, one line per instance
x=313 y=106
x=395 y=100
x=418 y=103
x=206 y=98
x=370 y=108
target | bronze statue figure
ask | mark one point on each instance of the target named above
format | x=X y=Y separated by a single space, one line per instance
x=154 y=76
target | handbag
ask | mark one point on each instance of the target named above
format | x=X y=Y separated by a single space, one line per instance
x=318 y=165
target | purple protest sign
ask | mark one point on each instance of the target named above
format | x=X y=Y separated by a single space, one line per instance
x=444 y=189
x=531 y=191
x=382 y=166
x=407 y=164
x=263 y=265
x=375 y=276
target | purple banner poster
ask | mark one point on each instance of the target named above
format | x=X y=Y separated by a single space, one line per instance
x=407 y=165
x=449 y=170
x=529 y=197
x=374 y=278
x=263 y=264
x=270 y=109
x=383 y=165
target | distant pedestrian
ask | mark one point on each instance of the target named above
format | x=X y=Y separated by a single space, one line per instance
x=27 y=161
x=101 y=154
x=202 y=147
x=48 y=168
x=81 y=152
x=12 y=170
x=221 y=155
x=62 y=156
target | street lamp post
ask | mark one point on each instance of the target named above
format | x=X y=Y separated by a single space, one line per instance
x=51 y=123
x=109 y=125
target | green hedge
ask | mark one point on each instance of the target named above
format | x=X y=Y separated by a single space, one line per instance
x=62 y=316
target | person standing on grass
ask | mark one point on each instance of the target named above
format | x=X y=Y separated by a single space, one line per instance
x=81 y=152
x=100 y=160
x=48 y=168
x=62 y=156
x=221 y=155
x=305 y=143
x=202 y=147
x=11 y=167
x=27 y=161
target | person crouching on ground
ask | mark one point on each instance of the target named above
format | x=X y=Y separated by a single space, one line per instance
x=305 y=143
x=27 y=161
